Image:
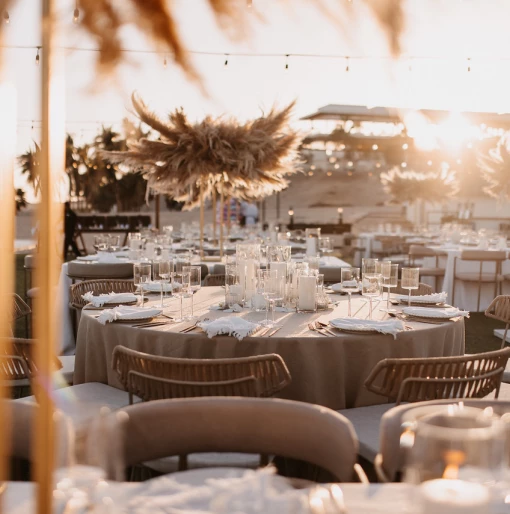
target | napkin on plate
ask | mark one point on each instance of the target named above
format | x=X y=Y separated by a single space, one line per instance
x=125 y=313
x=107 y=257
x=100 y=300
x=390 y=326
x=338 y=288
x=221 y=307
x=425 y=298
x=231 y=325
x=445 y=313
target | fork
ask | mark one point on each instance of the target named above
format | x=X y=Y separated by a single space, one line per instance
x=325 y=328
x=312 y=327
x=189 y=329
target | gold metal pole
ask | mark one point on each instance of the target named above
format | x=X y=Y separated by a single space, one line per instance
x=214 y=212
x=50 y=252
x=201 y=217
x=222 y=208
x=7 y=212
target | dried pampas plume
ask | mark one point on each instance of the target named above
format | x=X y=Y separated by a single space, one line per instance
x=495 y=168
x=246 y=160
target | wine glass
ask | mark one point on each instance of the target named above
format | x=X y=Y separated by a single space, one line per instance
x=350 y=284
x=371 y=281
x=325 y=245
x=100 y=243
x=410 y=280
x=161 y=271
x=180 y=288
x=113 y=243
x=268 y=288
x=141 y=276
x=195 y=281
x=390 y=278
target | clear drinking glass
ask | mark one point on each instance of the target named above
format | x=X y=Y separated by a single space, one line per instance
x=313 y=261
x=141 y=276
x=269 y=287
x=410 y=280
x=161 y=271
x=325 y=245
x=371 y=281
x=100 y=243
x=195 y=282
x=113 y=243
x=350 y=284
x=390 y=278
x=180 y=288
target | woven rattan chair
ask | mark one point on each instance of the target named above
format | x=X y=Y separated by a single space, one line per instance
x=296 y=430
x=423 y=379
x=20 y=308
x=422 y=289
x=78 y=271
x=97 y=287
x=391 y=457
x=184 y=377
x=481 y=277
x=214 y=280
x=499 y=309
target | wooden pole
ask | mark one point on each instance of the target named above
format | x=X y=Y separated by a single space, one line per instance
x=7 y=212
x=157 y=208
x=222 y=207
x=49 y=255
x=214 y=212
x=201 y=217
x=229 y=213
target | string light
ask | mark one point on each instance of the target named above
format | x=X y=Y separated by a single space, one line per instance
x=7 y=18
x=37 y=57
x=404 y=165
x=164 y=62
x=347 y=64
x=226 y=61
x=375 y=147
x=249 y=4
x=287 y=62
x=405 y=146
x=469 y=64
x=429 y=163
x=76 y=13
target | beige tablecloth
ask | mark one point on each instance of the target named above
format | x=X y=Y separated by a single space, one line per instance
x=328 y=371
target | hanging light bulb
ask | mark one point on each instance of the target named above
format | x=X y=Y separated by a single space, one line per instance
x=249 y=4
x=7 y=18
x=76 y=14
x=469 y=64
x=287 y=62
x=226 y=61
x=347 y=64
x=37 y=57
x=164 y=62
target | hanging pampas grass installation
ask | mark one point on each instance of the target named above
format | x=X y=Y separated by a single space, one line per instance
x=495 y=168
x=248 y=160
x=408 y=186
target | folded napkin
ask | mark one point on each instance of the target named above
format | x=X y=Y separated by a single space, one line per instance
x=100 y=300
x=391 y=326
x=445 y=313
x=339 y=288
x=221 y=307
x=126 y=313
x=425 y=298
x=232 y=325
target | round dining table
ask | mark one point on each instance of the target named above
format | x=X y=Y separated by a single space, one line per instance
x=328 y=371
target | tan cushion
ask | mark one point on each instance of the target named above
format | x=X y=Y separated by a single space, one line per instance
x=77 y=269
x=475 y=277
x=431 y=272
x=366 y=421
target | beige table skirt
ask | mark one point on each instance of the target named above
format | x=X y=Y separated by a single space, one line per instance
x=325 y=370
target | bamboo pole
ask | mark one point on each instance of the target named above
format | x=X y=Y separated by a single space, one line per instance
x=50 y=252
x=201 y=217
x=222 y=208
x=214 y=212
x=229 y=213
x=7 y=210
x=157 y=201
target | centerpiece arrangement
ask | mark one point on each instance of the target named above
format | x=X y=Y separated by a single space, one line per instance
x=495 y=168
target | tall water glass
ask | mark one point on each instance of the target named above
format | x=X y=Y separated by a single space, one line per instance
x=410 y=280
x=350 y=284
x=161 y=272
x=233 y=290
x=180 y=288
x=267 y=286
x=390 y=278
x=141 y=276
x=195 y=282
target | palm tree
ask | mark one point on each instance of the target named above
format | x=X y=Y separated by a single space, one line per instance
x=19 y=197
x=29 y=163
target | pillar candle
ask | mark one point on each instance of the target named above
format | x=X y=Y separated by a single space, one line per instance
x=149 y=250
x=306 y=293
x=311 y=246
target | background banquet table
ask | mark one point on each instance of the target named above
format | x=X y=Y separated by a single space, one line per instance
x=328 y=371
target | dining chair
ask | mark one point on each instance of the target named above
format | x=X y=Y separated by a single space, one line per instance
x=78 y=271
x=421 y=379
x=422 y=252
x=390 y=459
x=20 y=308
x=141 y=374
x=214 y=280
x=290 y=429
x=97 y=287
x=499 y=309
x=422 y=289
x=480 y=277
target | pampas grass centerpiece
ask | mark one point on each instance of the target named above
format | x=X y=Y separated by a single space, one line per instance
x=495 y=168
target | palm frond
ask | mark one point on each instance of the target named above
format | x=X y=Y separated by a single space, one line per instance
x=495 y=168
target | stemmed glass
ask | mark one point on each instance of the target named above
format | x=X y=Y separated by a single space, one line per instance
x=113 y=243
x=325 y=245
x=268 y=286
x=410 y=280
x=371 y=281
x=141 y=276
x=161 y=271
x=350 y=284
x=390 y=278
x=180 y=288
x=195 y=281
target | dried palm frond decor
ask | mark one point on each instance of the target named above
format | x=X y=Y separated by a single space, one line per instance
x=431 y=186
x=495 y=168
x=242 y=160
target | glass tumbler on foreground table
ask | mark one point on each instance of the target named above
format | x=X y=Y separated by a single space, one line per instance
x=180 y=288
x=161 y=271
x=195 y=282
x=141 y=276
x=410 y=280
x=390 y=278
x=268 y=284
x=350 y=284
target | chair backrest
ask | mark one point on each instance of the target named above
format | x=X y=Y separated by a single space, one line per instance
x=421 y=251
x=269 y=371
x=86 y=270
x=499 y=309
x=297 y=430
x=214 y=280
x=422 y=289
x=102 y=286
x=433 y=378
x=391 y=457
x=483 y=255
x=29 y=262
x=20 y=308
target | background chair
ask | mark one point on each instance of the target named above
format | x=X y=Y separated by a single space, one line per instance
x=422 y=289
x=289 y=429
x=97 y=287
x=499 y=309
x=214 y=280
x=77 y=270
x=422 y=379
x=421 y=252
x=481 y=277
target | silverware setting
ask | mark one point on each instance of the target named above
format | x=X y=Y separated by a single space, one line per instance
x=151 y=324
x=320 y=331
x=192 y=327
x=325 y=327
